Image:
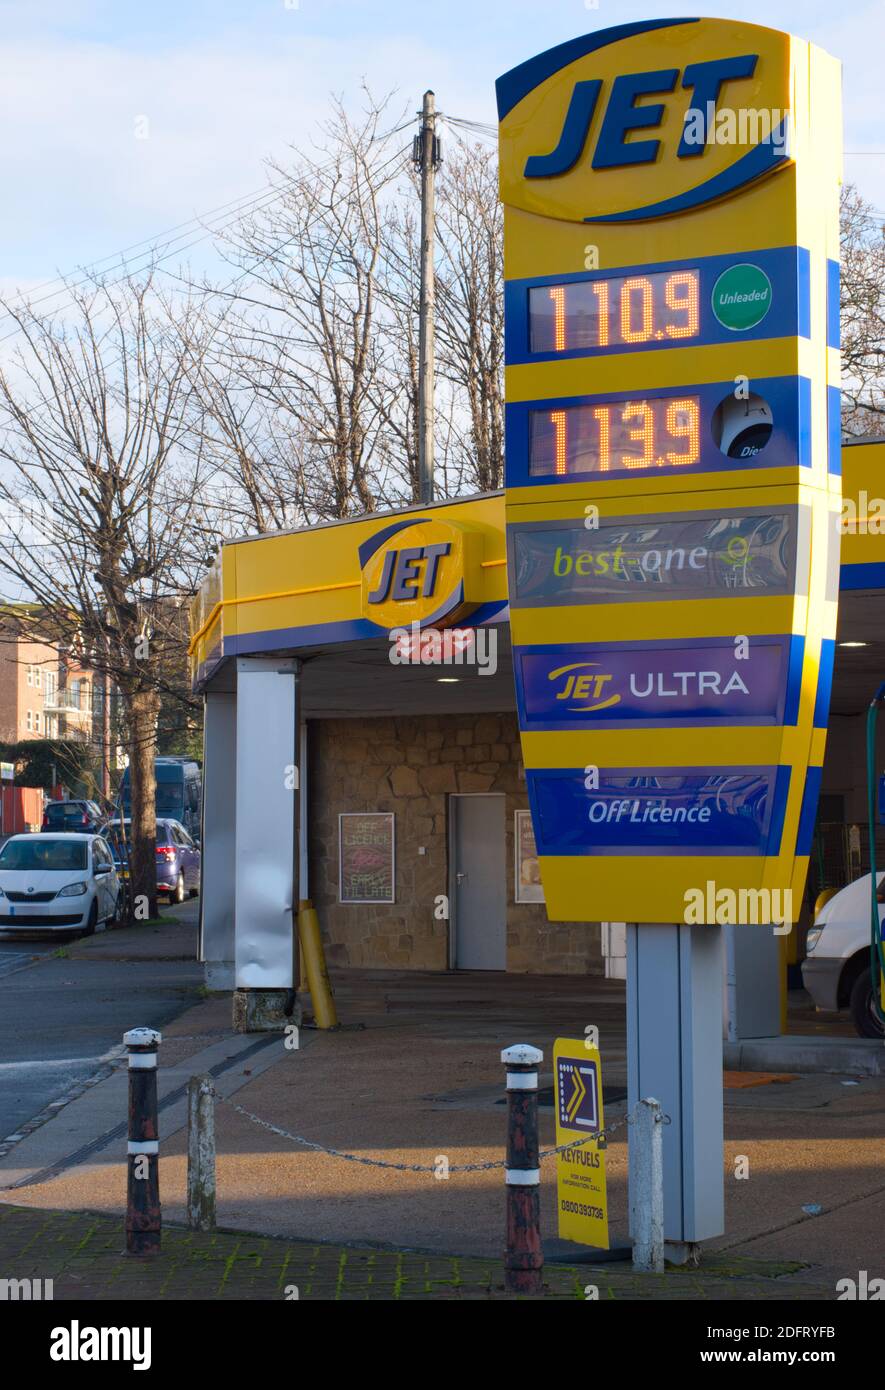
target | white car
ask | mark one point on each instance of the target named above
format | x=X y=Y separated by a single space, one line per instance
x=836 y=971
x=62 y=882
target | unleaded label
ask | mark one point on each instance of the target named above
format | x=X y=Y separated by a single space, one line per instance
x=742 y=297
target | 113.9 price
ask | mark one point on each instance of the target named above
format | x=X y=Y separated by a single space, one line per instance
x=616 y=435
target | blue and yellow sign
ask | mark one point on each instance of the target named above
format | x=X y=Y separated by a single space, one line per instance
x=423 y=570
x=672 y=459
x=581 y=1197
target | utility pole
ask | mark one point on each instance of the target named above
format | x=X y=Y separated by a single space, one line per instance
x=427 y=158
x=106 y=737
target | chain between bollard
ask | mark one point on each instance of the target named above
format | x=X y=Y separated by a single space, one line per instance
x=603 y=1134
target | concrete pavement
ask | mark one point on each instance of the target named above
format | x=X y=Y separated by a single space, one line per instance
x=415 y=1073
x=64 y=1007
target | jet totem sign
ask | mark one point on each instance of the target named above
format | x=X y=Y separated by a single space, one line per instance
x=673 y=489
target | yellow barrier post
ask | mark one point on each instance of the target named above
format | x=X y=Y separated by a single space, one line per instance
x=314 y=965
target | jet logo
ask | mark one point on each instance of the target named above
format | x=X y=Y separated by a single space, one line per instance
x=583 y=687
x=420 y=569
x=617 y=127
x=401 y=573
x=622 y=116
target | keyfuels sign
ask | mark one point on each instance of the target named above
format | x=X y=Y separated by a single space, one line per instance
x=670 y=196
x=581 y=1190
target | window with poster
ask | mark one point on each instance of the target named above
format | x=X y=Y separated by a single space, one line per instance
x=366 y=857
x=528 y=875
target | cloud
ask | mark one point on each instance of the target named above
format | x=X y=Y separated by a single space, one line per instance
x=106 y=145
x=224 y=85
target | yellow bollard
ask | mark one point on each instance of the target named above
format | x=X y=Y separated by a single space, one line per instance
x=314 y=966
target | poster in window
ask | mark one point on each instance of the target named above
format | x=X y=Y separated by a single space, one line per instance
x=528 y=873
x=366 y=857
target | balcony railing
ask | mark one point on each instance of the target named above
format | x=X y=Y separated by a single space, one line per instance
x=63 y=702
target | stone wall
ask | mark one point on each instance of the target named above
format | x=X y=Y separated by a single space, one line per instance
x=411 y=766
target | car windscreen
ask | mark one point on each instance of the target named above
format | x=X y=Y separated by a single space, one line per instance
x=68 y=811
x=170 y=797
x=44 y=854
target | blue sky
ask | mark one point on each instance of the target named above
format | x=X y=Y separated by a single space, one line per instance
x=224 y=83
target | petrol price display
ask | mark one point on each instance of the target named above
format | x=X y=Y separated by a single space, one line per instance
x=619 y=311
x=613 y=435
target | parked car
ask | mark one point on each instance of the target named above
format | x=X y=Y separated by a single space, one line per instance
x=85 y=817
x=178 y=858
x=64 y=882
x=836 y=971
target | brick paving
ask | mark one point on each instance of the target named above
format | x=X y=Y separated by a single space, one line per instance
x=84 y=1255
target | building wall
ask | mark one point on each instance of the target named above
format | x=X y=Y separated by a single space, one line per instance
x=17 y=697
x=78 y=723
x=845 y=766
x=411 y=766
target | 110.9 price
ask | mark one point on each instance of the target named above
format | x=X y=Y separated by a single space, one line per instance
x=620 y=311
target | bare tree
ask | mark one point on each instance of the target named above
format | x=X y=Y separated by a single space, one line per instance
x=470 y=297
x=863 y=316
x=303 y=335
x=257 y=475
x=99 y=502
x=397 y=398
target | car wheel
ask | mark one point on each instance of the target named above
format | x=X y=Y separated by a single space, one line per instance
x=178 y=895
x=89 y=929
x=866 y=1020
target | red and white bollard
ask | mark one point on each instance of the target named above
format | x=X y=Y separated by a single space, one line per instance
x=523 y=1258
x=143 y=1185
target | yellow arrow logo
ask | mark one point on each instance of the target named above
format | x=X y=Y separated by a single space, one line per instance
x=578 y=1095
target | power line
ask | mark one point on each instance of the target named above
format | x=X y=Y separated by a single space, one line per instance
x=482 y=128
x=243 y=205
x=152 y=261
x=163 y=238
x=275 y=250
x=160 y=239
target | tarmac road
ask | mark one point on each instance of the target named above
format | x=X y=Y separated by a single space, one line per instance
x=61 y=1019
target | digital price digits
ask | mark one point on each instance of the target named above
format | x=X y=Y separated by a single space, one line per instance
x=616 y=312
x=638 y=434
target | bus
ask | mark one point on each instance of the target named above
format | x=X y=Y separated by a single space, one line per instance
x=178 y=795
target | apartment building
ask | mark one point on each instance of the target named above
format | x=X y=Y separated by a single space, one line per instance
x=29 y=680
x=43 y=692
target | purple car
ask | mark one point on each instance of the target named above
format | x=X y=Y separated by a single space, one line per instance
x=178 y=858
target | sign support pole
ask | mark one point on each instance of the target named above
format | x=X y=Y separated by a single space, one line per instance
x=427 y=161
x=674 y=1052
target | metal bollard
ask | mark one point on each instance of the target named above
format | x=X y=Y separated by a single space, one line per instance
x=201 y=1154
x=523 y=1258
x=143 y=1186
x=647 y=1167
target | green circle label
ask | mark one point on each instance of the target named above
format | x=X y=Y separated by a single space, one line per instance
x=741 y=297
